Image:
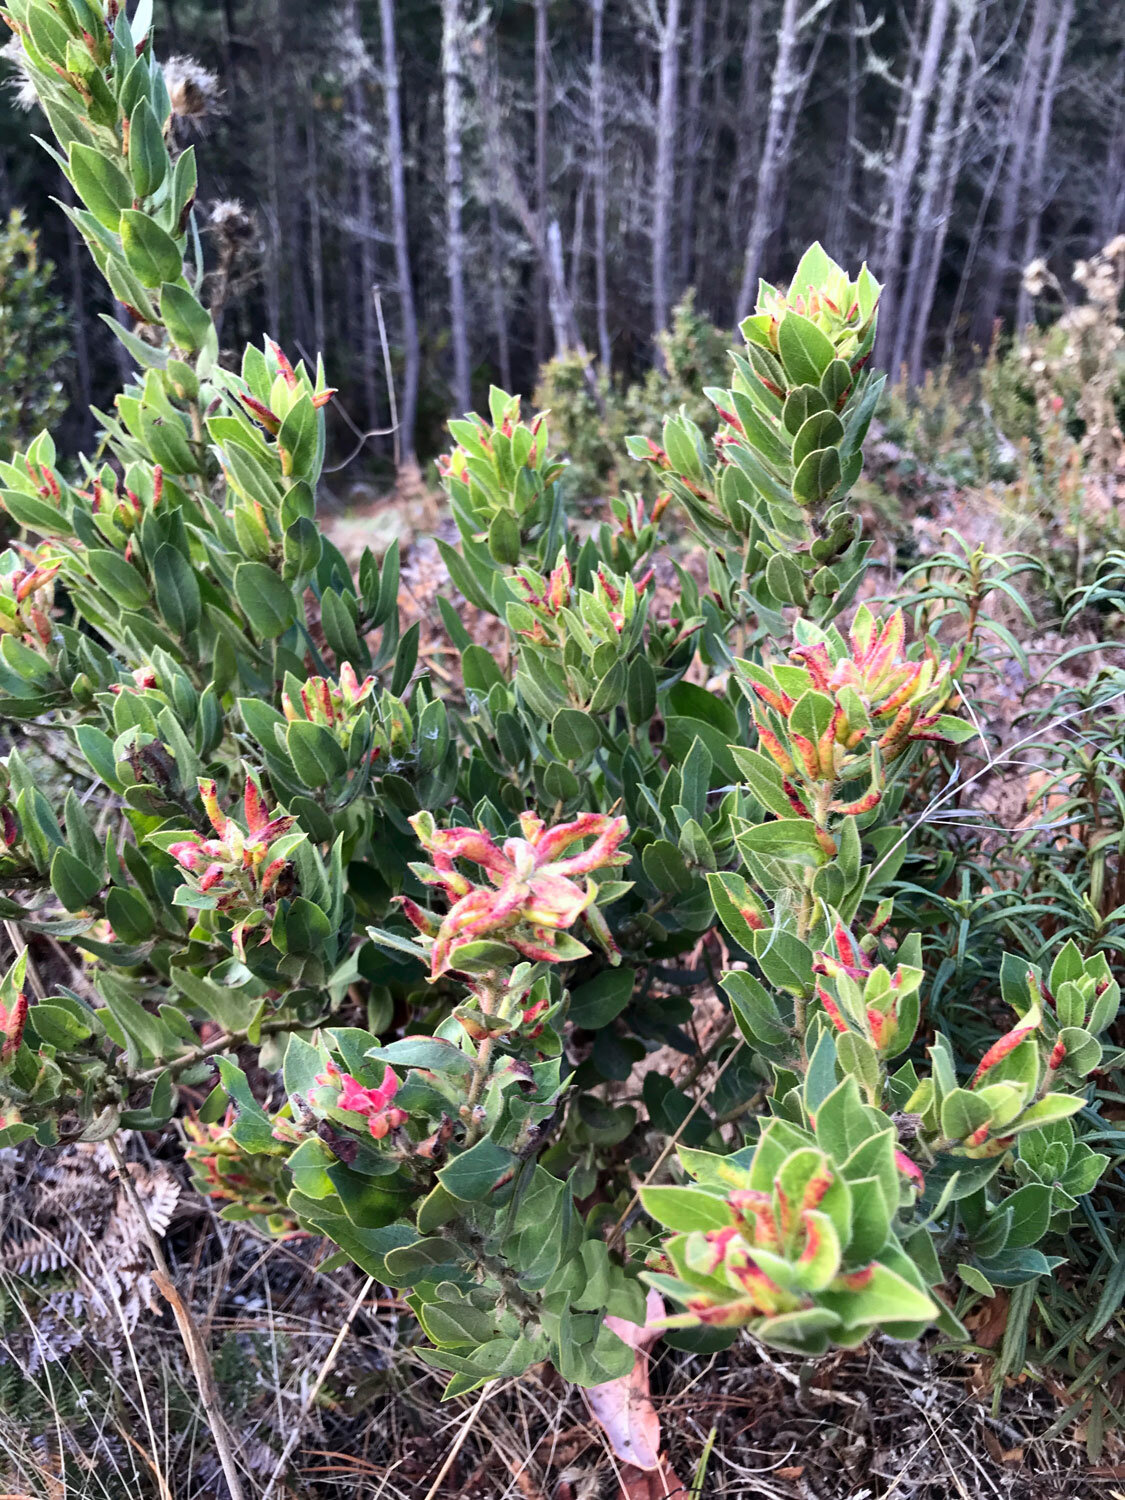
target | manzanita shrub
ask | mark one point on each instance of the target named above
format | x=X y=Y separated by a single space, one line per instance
x=447 y=922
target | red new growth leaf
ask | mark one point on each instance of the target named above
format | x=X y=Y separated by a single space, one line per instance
x=999 y=1051
x=11 y=1027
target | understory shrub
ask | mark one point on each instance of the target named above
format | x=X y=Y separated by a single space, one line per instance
x=442 y=922
x=590 y=424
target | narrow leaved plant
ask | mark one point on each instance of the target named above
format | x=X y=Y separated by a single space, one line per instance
x=453 y=914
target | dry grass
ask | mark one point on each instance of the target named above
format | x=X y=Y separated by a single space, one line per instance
x=887 y=1422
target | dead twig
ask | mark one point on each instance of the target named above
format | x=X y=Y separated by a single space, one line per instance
x=193 y=1343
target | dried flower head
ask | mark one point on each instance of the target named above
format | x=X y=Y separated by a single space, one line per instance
x=231 y=221
x=19 y=81
x=1036 y=277
x=193 y=89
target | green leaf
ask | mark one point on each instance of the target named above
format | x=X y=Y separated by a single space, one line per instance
x=823 y=430
x=685 y=1209
x=817 y=477
x=316 y=755
x=576 y=734
x=755 y=1010
x=177 y=590
x=35 y=514
x=58 y=1026
x=252 y=1127
x=185 y=317
x=129 y=915
x=120 y=579
x=308 y=1167
x=664 y=865
x=72 y=881
x=424 y=1052
x=148 y=155
x=504 y=538
x=805 y=351
x=101 y=184
x=961 y=1113
x=602 y=999
x=300 y=438
x=975 y=1279
x=152 y=254
x=307 y=928
x=477 y=1171
x=791 y=839
x=265 y=600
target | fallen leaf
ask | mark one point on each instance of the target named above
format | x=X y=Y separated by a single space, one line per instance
x=988 y=1322
x=649 y=1484
x=623 y=1407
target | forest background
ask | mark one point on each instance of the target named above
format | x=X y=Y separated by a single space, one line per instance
x=499 y=184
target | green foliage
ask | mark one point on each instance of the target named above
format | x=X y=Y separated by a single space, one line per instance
x=270 y=758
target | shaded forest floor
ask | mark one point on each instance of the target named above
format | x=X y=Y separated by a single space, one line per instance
x=317 y=1415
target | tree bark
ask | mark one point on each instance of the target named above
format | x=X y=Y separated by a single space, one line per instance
x=1038 y=169
x=566 y=327
x=316 y=246
x=934 y=177
x=839 y=211
x=365 y=217
x=455 y=201
x=408 y=319
x=787 y=91
x=578 y=239
x=542 y=50
x=903 y=173
x=1111 y=199
x=747 y=120
x=597 y=110
x=270 y=67
x=693 y=141
x=934 y=242
x=1012 y=188
x=667 y=111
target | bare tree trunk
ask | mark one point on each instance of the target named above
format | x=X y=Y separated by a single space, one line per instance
x=499 y=300
x=1012 y=188
x=365 y=215
x=316 y=247
x=1111 y=204
x=935 y=241
x=578 y=239
x=408 y=319
x=843 y=185
x=497 y=289
x=693 y=140
x=747 y=120
x=501 y=153
x=667 y=111
x=903 y=172
x=542 y=46
x=597 y=101
x=933 y=183
x=714 y=225
x=455 y=196
x=270 y=67
x=1038 y=171
x=787 y=91
x=562 y=315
